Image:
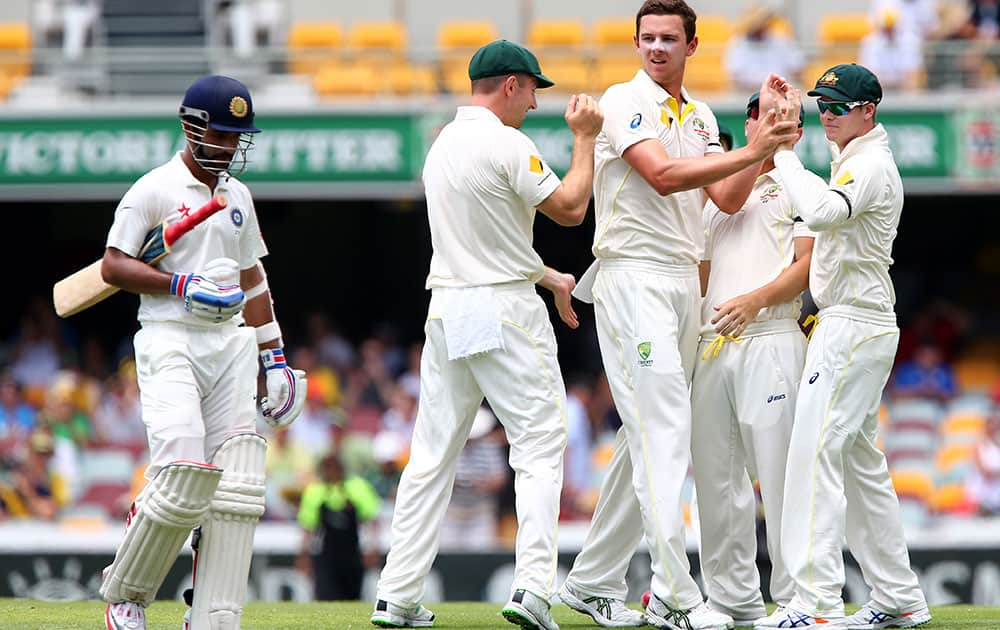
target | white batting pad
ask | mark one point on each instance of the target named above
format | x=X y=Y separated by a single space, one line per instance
x=226 y=544
x=174 y=502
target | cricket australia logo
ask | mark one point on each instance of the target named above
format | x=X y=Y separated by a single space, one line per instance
x=771 y=192
x=645 y=349
x=700 y=128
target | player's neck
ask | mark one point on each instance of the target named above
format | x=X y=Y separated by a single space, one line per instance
x=199 y=173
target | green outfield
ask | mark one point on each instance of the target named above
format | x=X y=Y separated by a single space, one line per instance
x=23 y=614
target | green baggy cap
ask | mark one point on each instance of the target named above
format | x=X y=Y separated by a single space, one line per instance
x=503 y=57
x=848 y=82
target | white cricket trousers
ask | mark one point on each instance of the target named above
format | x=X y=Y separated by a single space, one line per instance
x=524 y=386
x=197 y=386
x=836 y=474
x=647 y=318
x=743 y=406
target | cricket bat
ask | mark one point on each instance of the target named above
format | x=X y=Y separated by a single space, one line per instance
x=85 y=288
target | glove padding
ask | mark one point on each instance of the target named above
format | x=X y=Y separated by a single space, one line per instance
x=286 y=390
x=207 y=299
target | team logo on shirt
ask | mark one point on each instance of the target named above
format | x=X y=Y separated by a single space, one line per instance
x=700 y=128
x=635 y=122
x=645 y=349
x=535 y=164
x=237 y=217
x=771 y=192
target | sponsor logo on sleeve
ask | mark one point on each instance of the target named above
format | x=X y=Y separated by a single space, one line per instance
x=635 y=122
x=845 y=179
x=535 y=164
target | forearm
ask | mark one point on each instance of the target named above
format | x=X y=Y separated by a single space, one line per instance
x=131 y=274
x=259 y=309
x=679 y=174
x=551 y=279
x=818 y=206
x=789 y=283
x=732 y=192
x=579 y=180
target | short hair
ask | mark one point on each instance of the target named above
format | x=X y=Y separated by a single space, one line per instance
x=488 y=85
x=669 y=7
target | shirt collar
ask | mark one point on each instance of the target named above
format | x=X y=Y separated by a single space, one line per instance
x=653 y=90
x=476 y=112
x=876 y=137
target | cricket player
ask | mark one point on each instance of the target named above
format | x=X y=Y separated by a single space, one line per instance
x=205 y=314
x=836 y=475
x=654 y=155
x=743 y=393
x=488 y=331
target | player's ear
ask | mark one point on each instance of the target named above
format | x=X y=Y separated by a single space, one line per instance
x=510 y=84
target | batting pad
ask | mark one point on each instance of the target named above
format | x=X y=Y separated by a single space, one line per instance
x=226 y=545
x=174 y=502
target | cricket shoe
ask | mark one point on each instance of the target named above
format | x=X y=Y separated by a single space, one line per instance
x=871 y=618
x=389 y=615
x=605 y=611
x=125 y=616
x=784 y=617
x=529 y=611
x=701 y=617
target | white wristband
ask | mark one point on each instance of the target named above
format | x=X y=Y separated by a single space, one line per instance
x=257 y=289
x=268 y=332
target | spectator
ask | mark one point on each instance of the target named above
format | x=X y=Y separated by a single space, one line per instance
x=410 y=379
x=578 y=478
x=38 y=492
x=986 y=18
x=36 y=355
x=333 y=349
x=983 y=483
x=17 y=417
x=331 y=514
x=957 y=57
x=118 y=420
x=892 y=54
x=926 y=375
x=289 y=469
x=759 y=50
x=916 y=18
x=472 y=518
x=312 y=431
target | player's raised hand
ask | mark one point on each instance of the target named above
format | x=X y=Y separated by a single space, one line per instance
x=772 y=91
x=286 y=389
x=771 y=133
x=583 y=116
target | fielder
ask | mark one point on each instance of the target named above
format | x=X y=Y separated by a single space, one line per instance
x=836 y=474
x=654 y=155
x=197 y=368
x=744 y=387
x=488 y=331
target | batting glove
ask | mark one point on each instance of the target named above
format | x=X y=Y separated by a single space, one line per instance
x=286 y=389
x=206 y=299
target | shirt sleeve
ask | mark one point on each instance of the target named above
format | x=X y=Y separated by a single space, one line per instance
x=252 y=246
x=714 y=145
x=527 y=171
x=818 y=205
x=626 y=121
x=312 y=499
x=136 y=215
x=859 y=181
x=363 y=496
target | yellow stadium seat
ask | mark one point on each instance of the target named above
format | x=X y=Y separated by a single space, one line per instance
x=561 y=35
x=615 y=70
x=312 y=45
x=616 y=32
x=843 y=28
x=405 y=78
x=714 y=29
x=705 y=72
x=346 y=79
x=951 y=454
x=382 y=39
x=457 y=41
x=913 y=483
x=976 y=374
x=569 y=75
x=781 y=25
x=15 y=49
x=950 y=497
x=964 y=422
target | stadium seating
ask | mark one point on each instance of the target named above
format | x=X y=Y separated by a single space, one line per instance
x=457 y=40
x=559 y=45
x=15 y=55
x=312 y=45
x=346 y=79
x=839 y=38
x=976 y=374
x=706 y=72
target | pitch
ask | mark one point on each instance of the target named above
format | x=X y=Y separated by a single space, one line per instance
x=25 y=614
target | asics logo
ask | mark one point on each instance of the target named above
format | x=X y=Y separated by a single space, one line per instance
x=812 y=379
x=775 y=397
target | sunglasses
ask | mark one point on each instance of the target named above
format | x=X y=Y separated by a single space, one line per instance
x=753 y=111
x=838 y=108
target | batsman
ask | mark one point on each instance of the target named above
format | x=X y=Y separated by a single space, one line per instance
x=206 y=314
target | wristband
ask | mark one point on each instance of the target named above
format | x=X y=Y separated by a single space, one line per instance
x=268 y=332
x=273 y=359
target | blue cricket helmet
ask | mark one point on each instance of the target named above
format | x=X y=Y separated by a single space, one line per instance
x=221 y=102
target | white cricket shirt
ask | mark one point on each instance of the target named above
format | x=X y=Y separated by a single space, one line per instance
x=168 y=192
x=751 y=248
x=483 y=180
x=856 y=217
x=633 y=220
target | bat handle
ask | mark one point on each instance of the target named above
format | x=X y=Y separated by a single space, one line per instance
x=188 y=223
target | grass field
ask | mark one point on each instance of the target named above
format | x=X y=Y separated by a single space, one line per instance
x=23 y=614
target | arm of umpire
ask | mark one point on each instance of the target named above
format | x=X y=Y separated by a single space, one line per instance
x=567 y=205
x=286 y=388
